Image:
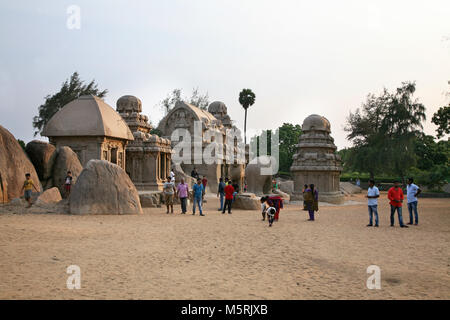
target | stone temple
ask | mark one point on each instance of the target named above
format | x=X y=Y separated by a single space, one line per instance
x=316 y=161
x=148 y=157
x=92 y=129
x=212 y=126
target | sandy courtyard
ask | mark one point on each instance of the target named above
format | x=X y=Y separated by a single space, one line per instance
x=159 y=256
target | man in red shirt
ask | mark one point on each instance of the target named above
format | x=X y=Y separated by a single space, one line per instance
x=229 y=190
x=395 y=195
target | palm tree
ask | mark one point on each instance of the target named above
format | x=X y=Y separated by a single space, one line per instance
x=246 y=99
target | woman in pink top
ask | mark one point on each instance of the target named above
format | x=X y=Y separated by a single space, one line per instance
x=183 y=193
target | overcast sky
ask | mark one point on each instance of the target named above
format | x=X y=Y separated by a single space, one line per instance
x=299 y=57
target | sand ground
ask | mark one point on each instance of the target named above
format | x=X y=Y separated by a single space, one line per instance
x=159 y=256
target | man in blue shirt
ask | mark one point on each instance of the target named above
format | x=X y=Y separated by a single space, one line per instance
x=412 y=191
x=372 y=195
x=198 y=190
x=221 y=192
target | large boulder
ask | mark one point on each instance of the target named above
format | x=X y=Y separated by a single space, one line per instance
x=247 y=201
x=66 y=160
x=104 y=188
x=14 y=164
x=3 y=190
x=349 y=188
x=150 y=199
x=42 y=155
x=259 y=174
x=49 y=197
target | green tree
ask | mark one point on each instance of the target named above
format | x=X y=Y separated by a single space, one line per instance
x=431 y=153
x=384 y=130
x=196 y=99
x=22 y=144
x=288 y=137
x=71 y=89
x=246 y=99
x=441 y=118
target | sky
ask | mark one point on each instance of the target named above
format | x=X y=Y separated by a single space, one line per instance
x=298 y=57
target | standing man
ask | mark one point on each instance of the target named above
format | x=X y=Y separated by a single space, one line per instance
x=221 y=193
x=395 y=195
x=229 y=190
x=198 y=193
x=412 y=191
x=183 y=192
x=373 y=194
x=169 y=191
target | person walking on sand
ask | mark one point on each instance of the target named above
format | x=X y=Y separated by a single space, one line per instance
x=183 y=193
x=395 y=195
x=372 y=195
x=169 y=192
x=27 y=188
x=311 y=199
x=68 y=184
x=204 y=183
x=412 y=191
x=198 y=194
x=221 y=193
x=229 y=191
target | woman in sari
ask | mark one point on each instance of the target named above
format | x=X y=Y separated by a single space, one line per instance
x=311 y=200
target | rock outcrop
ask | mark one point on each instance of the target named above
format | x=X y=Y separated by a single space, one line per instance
x=42 y=155
x=49 y=197
x=247 y=201
x=104 y=188
x=14 y=164
x=66 y=160
x=349 y=188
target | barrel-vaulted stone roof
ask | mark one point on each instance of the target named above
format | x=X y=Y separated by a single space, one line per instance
x=87 y=116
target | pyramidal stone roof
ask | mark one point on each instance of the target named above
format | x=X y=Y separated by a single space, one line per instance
x=87 y=116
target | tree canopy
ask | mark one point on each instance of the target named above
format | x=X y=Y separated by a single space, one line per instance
x=71 y=89
x=197 y=99
x=383 y=132
x=441 y=118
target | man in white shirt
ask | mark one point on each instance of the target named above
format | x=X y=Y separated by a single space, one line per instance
x=372 y=195
x=412 y=191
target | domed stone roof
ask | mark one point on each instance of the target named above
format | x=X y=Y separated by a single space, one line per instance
x=129 y=103
x=217 y=107
x=87 y=116
x=317 y=123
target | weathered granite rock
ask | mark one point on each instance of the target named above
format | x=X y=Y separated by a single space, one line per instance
x=349 y=188
x=42 y=155
x=247 y=201
x=66 y=160
x=14 y=164
x=150 y=199
x=259 y=174
x=48 y=197
x=3 y=190
x=104 y=188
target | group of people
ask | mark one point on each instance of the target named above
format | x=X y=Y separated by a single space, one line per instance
x=227 y=191
x=396 y=197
